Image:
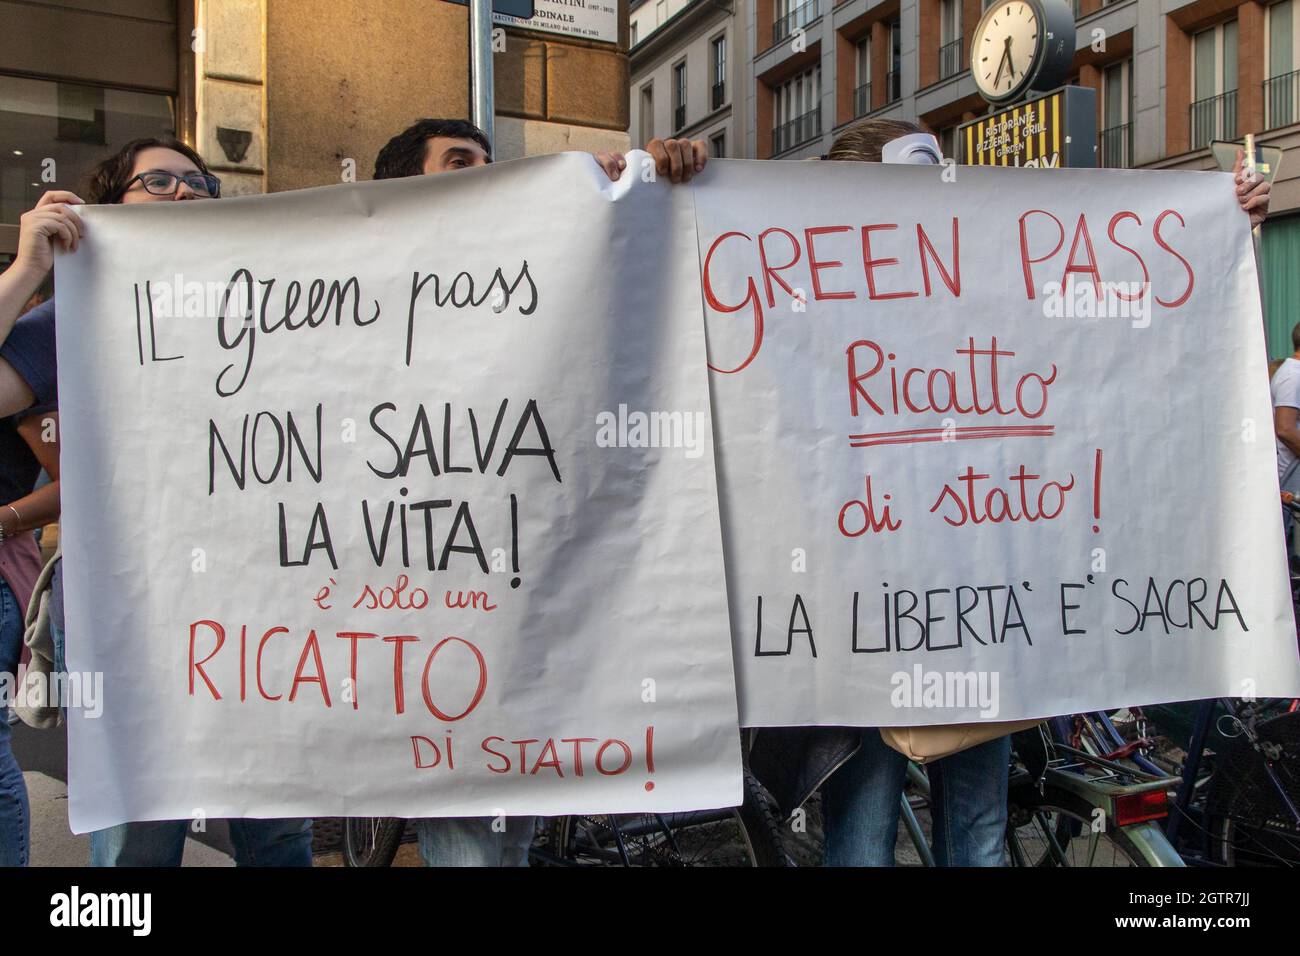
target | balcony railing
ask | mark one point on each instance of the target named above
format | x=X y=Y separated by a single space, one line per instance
x=1115 y=147
x=799 y=130
x=1281 y=97
x=862 y=100
x=800 y=16
x=719 y=95
x=679 y=118
x=950 y=59
x=893 y=86
x=1214 y=117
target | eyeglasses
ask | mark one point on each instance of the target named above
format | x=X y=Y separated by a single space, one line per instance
x=165 y=184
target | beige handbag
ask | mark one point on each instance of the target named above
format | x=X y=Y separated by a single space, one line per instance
x=923 y=744
x=34 y=706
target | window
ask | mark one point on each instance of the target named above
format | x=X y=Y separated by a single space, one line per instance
x=1114 y=142
x=679 y=96
x=718 y=49
x=949 y=20
x=73 y=126
x=862 y=77
x=893 y=78
x=1214 y=84
x=1281 y=38
x=797 y=110
x=950 y=38
x=632 y=37
x=1282 y=88
x=948 y=142
x=647 y=113
x=791 y=15
x=718 y=145
x=661 y=11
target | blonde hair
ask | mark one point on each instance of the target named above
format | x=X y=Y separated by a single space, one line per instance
x=865 y=140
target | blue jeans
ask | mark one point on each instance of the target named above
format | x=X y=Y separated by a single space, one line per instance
x=968 y=805
x=15 y=812
x=472 y=841
x=161 y=843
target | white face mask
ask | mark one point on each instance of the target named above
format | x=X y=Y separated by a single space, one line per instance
x=917 y=149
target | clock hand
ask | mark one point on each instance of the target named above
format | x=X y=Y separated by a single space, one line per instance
x=1005 y=61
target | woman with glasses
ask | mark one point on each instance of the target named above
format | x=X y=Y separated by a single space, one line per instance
x=160 y=169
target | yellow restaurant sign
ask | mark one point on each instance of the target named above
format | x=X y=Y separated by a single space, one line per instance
x=1055 y=130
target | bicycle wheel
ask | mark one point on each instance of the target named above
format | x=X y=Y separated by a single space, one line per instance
x=1248 y=819
x=647 y=839
x=371 y=841
x=1055 y=828
x=777 y=842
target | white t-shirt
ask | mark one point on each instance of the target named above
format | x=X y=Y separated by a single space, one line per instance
x=1286 y=393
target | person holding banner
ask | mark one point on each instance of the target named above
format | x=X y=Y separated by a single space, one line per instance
x=968 y=789
x=445 y=145
x=28 y=444
x=866 y=775
x=160 y=169
x=429 y=147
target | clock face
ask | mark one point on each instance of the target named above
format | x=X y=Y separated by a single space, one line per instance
x=1005 y=47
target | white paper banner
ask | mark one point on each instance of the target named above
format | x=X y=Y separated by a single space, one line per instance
x=949 y=489
x=953 y=491
x=433 y=532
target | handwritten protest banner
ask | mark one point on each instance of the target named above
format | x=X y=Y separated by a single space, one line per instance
x=992 y=444
x=394 y=499
x=400 y=499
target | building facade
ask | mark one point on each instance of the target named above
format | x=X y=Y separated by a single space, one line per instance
x=283 y=94
x=689 y=72
x=1170 y=77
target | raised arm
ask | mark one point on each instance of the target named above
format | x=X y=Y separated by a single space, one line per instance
x=51 y=223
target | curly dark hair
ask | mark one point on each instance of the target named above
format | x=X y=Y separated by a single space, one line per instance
x=403 y=155
x=109 y=179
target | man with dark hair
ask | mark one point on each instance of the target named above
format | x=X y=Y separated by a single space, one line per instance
x=432 y=146
x=445 y=145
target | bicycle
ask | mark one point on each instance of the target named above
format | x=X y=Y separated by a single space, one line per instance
x=1085 y=809
x=1238 y=780
x=1066 y=807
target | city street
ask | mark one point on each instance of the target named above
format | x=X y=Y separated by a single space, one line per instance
x=43 y=755
x=663 y=435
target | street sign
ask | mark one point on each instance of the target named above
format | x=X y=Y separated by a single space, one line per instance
x=519 y=9
x=582 y=19
x=1058 y=129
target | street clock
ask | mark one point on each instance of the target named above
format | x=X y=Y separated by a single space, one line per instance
x=1022 y=45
